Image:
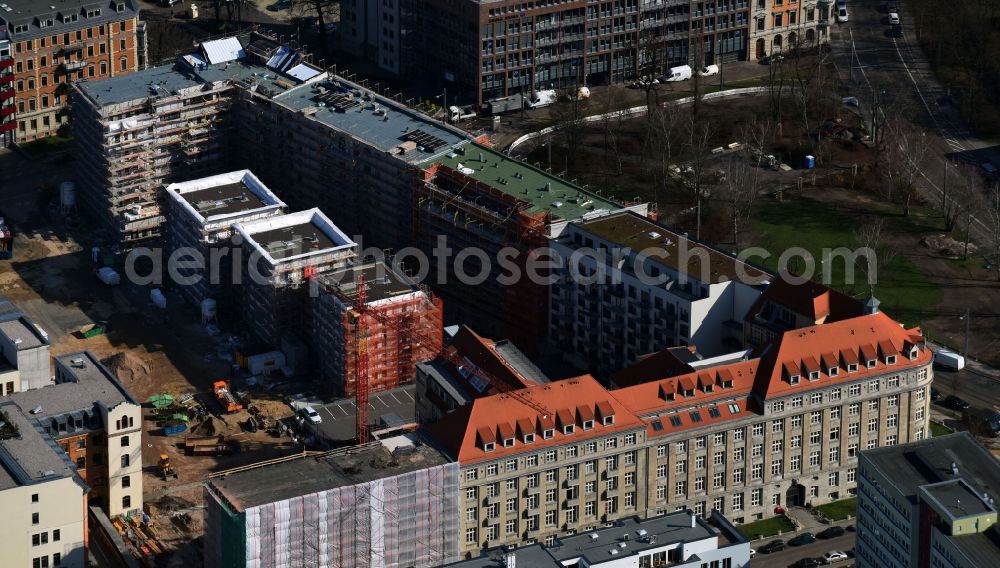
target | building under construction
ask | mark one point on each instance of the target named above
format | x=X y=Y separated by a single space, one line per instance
x=136 y=133
x=402 y=327
x=200 y=218
x=390 y=503
x=279 y=256
x=477 y=198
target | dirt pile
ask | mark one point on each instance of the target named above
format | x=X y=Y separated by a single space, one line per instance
x=947 y=247
x=127 y=366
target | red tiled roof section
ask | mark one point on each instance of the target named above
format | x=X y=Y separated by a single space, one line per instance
x=809 y=299
x=797 y=347
x=652 y=367
x=461 y=431
x=649 y=397
x=482 y=353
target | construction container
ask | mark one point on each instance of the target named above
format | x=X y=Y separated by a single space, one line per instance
x=175 y=429
x=265 y=363
x=109 y=276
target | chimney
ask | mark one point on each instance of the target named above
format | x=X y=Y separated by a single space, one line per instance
x=694 y=518
x=510 y=560
x=871 y=306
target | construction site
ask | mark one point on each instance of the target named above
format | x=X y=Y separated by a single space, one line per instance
x=388 y=503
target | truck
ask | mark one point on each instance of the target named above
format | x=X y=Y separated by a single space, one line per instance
x=458 y=114
x=680 y=73
x=504 y=104
x=541 y=99
x=949 y=360
x=225 y=397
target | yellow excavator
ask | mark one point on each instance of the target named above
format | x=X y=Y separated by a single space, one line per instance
x=166 y=470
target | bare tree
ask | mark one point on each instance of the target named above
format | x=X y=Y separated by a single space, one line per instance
x=663 y=127
x=905 y=152
x=698 y=136
x=876 y=254
x=325 y=11
x=739 y=191
x=969 y=199
x=993 y=215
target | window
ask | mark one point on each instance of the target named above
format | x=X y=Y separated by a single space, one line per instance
x=920 y=394
x=854 y=409
x=611 y=443
x=737 y=502
x=126 y=482
x=512 y=465
x=608 y=420
x=835 y=413
x=680 y=488
x=511 y=526
x=797 y=402
x=854 y=390
x=470 y=493
x=630 y=478
x=470 y=535
x=124 y=441
x=718 y=479
x=719 y=458
x=528 y=438
x=778 y=406
x=796 y=441
x=758 y=430
x=548 y=433
x=34 y=497
x=852 y=475
x=757 y=471
x=492 y=469
x=588 y=424
x=550 y=496
x=757 y=450
x=700 y=442
x=681 y=447
x=629 y=439
x=550 y=456
x=816 y=417
x=835 y=433
x=892 y=382
x=873 y=405
x=571 y=452
x=57 y=559
x=470 y=514
x=699 y=484
x=816 y=398
x=738 y=454
x=835 y=394
x=873 y=425
x=719 y=438
x=512 y=484
x=776 y=445
x=919 y=414
x=471 y=474
x=797 y=421
x=756 y=497
x=834 y=455
x=661 y=471
x=680 y=467
x=852 y=450
x=661 y=492
x=814 y=459
x=34 y=518
x=891 y=421
x=833 y=479
x=738 y=475
x=814 y=437
x=699 y=462
x=124 y=64
x=853 y=429
x=487 y=447
x=738 y=434
x=795 y=462
x=776 y=467
x=569 y=429
x=890 y=440
x=873 y=386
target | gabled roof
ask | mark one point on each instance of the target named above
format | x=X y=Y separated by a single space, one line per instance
x=653 y=397
x=868 y=335
x=810 y=300
x=483 y=353
x=461 y=432
x=669 y=362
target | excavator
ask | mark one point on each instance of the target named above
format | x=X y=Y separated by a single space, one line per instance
x=166 y=470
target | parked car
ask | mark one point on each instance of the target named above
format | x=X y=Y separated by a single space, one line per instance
x=842 y=15
x=954 y=402
x=311 y=415
x=989 y=169
x=280 y=5
x=831 y=532
x=935 y=394
x=773 y=546
x=834 y=556
x=897 y=31
x=850 y=528
x=709 y=70
x=982 y=421
x=808 y=563
x=893 y=18
x=804 y=538
x=769 y=59
x=890 y=7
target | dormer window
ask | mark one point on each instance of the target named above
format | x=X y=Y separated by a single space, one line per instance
x=489 y=446
x=707 y=388
x=833 y=371
x=569 y=429
x=852 y=368
x=913 y=353
x=588 y=424
x=813 y=375
x=529 y=438
x=890 y=360
x=688 y=392
x=669 y=396
x=119 y=8
x=20 y=28
x=871 y=363
x=727 y=384
x=609 y=420
x=794 y=379
x=93 y=13
x=548 y=433
x=508 y=442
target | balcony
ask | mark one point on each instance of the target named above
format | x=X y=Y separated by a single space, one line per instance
x=70 y=66
x=6 y=79
x=8 y=126
x=7 y=110
x=8 y=94
x=6 y=62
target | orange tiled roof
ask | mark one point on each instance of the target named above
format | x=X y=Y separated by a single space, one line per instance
x=481 y=352
x=659 y=365
x=656 y=396
x=463 y=431
x=809 y=299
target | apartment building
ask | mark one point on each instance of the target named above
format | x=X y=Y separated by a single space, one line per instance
x=782 y=427
x=24 y=347
x=200 y=218
x=627 y=286
x=678 y=539
x=372 y=30
x=780 y=26
x=96 y=423
x=280 y=256
x=388 y=503
x=458 y=376
x=477 y=199
x=785 y=305
x=928 y=503
x=403 y=326
x=490 y=49
x=42 y=496
x=56 y=45
x=8 y=105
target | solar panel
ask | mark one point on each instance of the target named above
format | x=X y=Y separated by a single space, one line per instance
x=341 y=102
x=428 y=141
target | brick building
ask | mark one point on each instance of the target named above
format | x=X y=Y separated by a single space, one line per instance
x=780 y=26
x=55 y=43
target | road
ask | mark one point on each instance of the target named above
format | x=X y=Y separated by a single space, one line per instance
x=892 y=73
x=792 y=554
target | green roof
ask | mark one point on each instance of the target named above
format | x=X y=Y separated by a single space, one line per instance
x=518 y=179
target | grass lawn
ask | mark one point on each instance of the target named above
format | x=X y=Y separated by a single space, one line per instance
x=767 y=527
x=799 y=221
x=839 y=510
x=939 y=429
x=45 y=145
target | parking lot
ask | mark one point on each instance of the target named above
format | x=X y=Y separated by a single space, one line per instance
x=793 y=554
x=387 y=411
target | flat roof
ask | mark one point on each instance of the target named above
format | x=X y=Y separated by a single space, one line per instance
x=957 y=498
x=18 y=327
x=339 y=416
x=294 y=235
x=91 y=383
x=544 y=191
x=378 y=121
x=639 y=233
x=312 y=474
x=30 y=457
x=223 y=195
x=520 y=362
x=381 y=281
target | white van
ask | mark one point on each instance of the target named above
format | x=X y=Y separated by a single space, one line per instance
x=949 y=360
x=682 y=73
x=541 y=99
x=458 y=114
x=709 y=70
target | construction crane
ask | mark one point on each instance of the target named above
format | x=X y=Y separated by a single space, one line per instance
x=363 y=315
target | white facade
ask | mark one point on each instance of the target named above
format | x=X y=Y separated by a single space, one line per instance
x=124 y=428
x=60 y=529
x=27 y=348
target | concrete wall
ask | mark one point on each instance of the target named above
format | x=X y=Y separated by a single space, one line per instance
x=61 y=506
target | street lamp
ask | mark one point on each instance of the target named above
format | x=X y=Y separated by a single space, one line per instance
x=966 y=317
